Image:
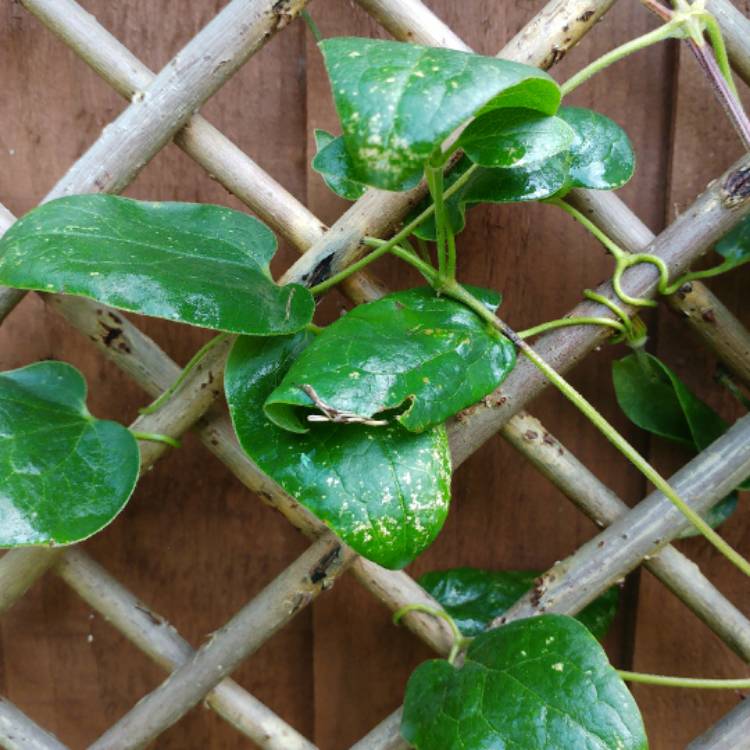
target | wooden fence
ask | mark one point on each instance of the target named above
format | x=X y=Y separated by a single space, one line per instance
x=194 y=545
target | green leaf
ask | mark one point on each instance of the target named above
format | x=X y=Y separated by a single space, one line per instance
x=398 y=102
x=474 y=597
x=715 y=516
x=203 y=265
x=333 y=163
x=64 y=474
x=535 y=182
x=513 y=137
x=735 y=245
x=384 y=491
x=655 y=399
x=425 y=355
x=535 y=684
x=602 y=157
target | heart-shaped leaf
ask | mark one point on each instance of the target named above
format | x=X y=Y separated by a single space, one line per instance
x=601 y=156
x=735 y=245
x=203 y=265
x=536 y=182
x=535 y=684
x=426 y=355
x=384 y=491
x=398 y=102
x=64 y=475
x=474 y=597
x=513 y=137
x=655 y=399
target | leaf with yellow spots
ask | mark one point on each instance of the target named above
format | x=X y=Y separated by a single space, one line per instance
x=398 y=102
x=423 y=356
x=539 y=684
x=383 y=490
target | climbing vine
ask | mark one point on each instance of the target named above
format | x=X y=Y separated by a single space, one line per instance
x=350 y=418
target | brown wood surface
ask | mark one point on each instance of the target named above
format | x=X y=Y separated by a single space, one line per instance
x=669 y=640
x=196 y=545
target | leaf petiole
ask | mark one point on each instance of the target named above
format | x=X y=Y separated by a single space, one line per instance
x=684 y=682
x=671 y=29
x=195 y=360
x=460 y=641
x=397 y=238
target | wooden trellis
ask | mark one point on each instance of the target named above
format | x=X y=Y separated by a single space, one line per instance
x=161 y=110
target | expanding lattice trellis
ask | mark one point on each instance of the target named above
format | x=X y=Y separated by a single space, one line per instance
x=162 y=109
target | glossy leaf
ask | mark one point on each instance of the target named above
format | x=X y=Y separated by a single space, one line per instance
x=203 y=265
x=412 y=351
x=333 y=163
x=496 y=186
x=384 y=491
x=601 y=157
x=474 y=597
x=735 y=245
x=514 y=137
x=64 y=474
x=535 y=684
x=655 y=399
x=397 y=102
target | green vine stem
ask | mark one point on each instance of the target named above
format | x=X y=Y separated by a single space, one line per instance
x=623 y=259
x=312 y=26
x=684 y=682
x=155 y=437
x=397 y=238
x=565 y=322
x=670 y=30
x=456 y=291
x=460 y=641
x=189 y=367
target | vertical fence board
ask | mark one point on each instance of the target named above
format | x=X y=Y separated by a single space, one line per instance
x=504 y=514
x=669 y=639
x=193 y=542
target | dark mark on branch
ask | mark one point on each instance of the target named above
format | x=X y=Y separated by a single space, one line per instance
x=320 y=273
x=111 y=334
x=737 y=187
x=320 y=571
x=585 y=16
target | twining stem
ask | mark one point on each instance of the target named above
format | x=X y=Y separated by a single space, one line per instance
x=189 y=367
x=460 y=641
x=314 y=30
x=723 y=267
x=565 y=322
x=623 y=259
x=155 y=437
x=667 y=31
x=434 y=178
x=459 y=293
x=424 y=267
x=685 y=682
x=613 y=247
x=713 y=30
x=726 y=95
x=393 y=241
